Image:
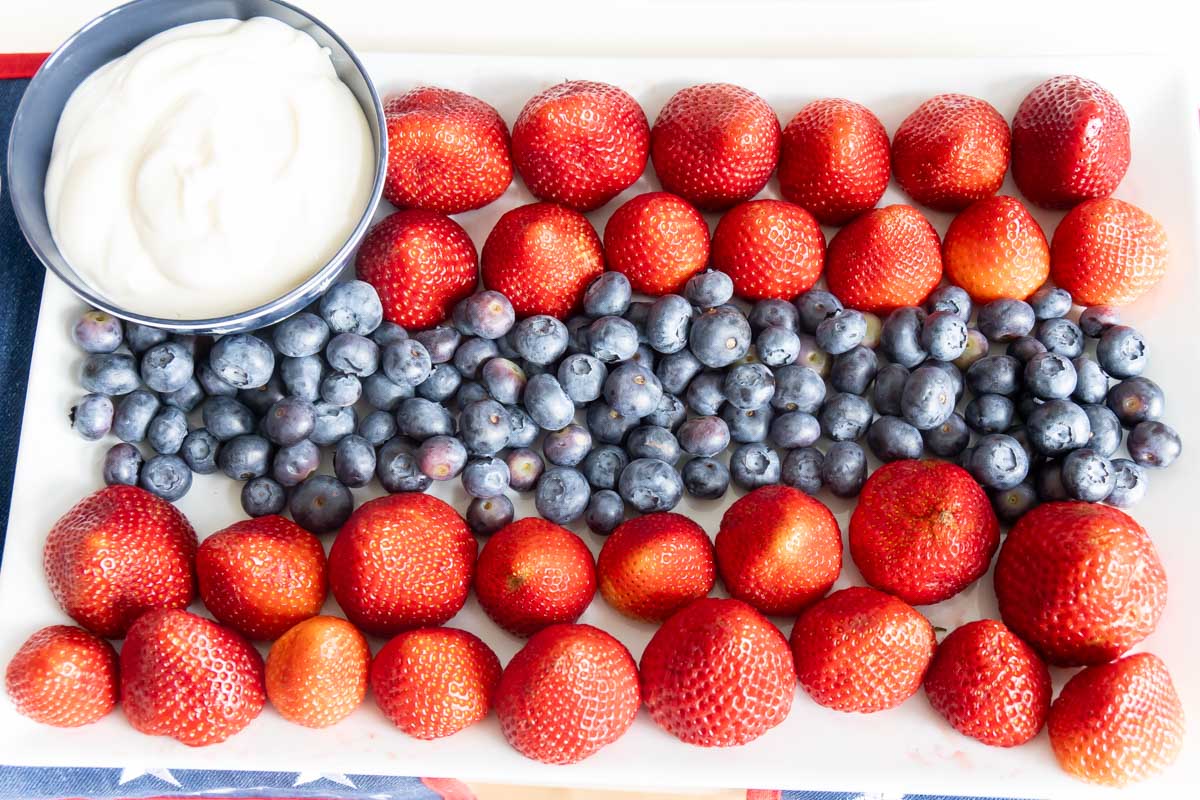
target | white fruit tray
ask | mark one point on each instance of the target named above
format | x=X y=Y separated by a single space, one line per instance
x=908 y=749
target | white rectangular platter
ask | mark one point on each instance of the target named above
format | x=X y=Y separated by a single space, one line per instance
x=908 y=749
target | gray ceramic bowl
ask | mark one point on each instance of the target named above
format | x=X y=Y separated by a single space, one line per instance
x=113 y=34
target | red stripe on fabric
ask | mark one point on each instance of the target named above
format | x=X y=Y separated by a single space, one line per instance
x=763 y=794
x=20 y=65
x=448 y=788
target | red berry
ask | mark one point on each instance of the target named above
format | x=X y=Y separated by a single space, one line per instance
x=770 y=248
x=656 y=240
x=63 y=676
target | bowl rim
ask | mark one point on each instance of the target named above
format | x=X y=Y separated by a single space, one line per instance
x=259 y=316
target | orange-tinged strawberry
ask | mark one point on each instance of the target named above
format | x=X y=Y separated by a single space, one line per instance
x=951 y=151
x=1081 y=582
x=316 y=672
x=1070 y=142
x=571 y=690
x=778 y=549
x=886 y=258
x=652 y=566
x=861 y=650
x=433 y=682
x=1108 y=251
x=995 y=248
x=421 y=263
x=533 y=573
x=923 y=530
x=402 y=561
x=580 y=143
x=989 y=684
x=542 y=257
x=1117 y=723
x=447 y=151
x=715 y=145
x=63 y=676
x=117 y=553
x=657 y=240
x=186 y=677
x=769 y=248
x=835 y=160
x=261 y=576
x=718 y=674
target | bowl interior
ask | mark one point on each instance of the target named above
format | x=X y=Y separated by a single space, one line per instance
x=114 y=34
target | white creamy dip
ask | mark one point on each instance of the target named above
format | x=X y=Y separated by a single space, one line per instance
x=211 y=169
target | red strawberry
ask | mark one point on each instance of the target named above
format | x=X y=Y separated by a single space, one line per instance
x=188 y=678
x=447 y=151
x=1108 y=251
x=652 y=566
x=261 y=576
x=533 y=573
x=770 y=248
x=118 y=553
x=994 y=249
x=542 y=257
x=571 y=690
x=63 y=676
x=718 y=674
x=1117 y=723
x=715 y=145
x=657 y=241
x=989 y=684
x=861 y=650
x=1070 y=142
x=421 y=263
x=317 y=672
x=779 y=549
x=886 y=258
x=433 y=682
x=1081 y=582
x=923 y=531
x=835 y=160
x=580 y=143
x=951 y=151
x=402 y=561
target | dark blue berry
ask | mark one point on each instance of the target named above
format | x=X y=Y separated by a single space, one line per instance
x=167 y=430
x=854 y=370
x=353 y=354
x=1087 y=475
x=748 y=424
x=774 y=313
x=1122 y=352
x=1057 y=427
x=844 y=469
x=944 y=335
x=97 y=332
x=605 y=511
x=1012 y=504
x=1106 y=429
x=186 y=398
x=648 y=485
x=989 y=413
x=418 y=418
x=263 y=496
x=442 y=383
x=301 y=376
x=166 y=476
x=110 y=374
x=949 y=439
x=652 y=441
x=754 y=464
x=892 y=439
x=484 y=427
x=709 y=289
x=1006 y=319
x=1025 y=348
x=472 y=354
x=607 y=425
x=407 y=362
x=814 y=307
x=1048 y=481
x=261 y=398
x=793 y=429
x=1050 y=302
x=1129 y=484
x=749 y=386
x=632 y=390
x=798 y=388
x=321 y=504
x=141 y=338
x=352 y=307
x=522 y=430
x=354 y=461
x=676 y=371
x=900 y=337
x=199 y=451
x=667 y=324
x=562 y=495
x=397 y=470
x=525 y=466
x=92 y=416
x=998 y=462
x=568 y=446
x=1060 y=336
x=470 y=391
x=540 y=339
x=503 y=379
x=547 y=404
x=720 y=336
x=1050 y=376
x=166 y=367
x=1154 y=444
x=777 y=346
x=582 y=376
x=1091 y=384
x=1095 y=320
x=289 y=421
x=612 y=339
x=226 y=417
x=949 y=298
x=889 y=386
x=122 y=465
x=669 y=413
x=842 y=333
x=705 y=478
x=706 y=393
x=304 y=334
x=441 y=343
x=132 y=415
x=489 y=314
x=802 y=469
x=636 y=315
x=602 y=466
x=242 y=360
x=928 y=398
x=388 y=333
x=995 y=375
x=487 y=515
x=384 y=394
x=607 y=295
x=1136 y=400
x=245 y=457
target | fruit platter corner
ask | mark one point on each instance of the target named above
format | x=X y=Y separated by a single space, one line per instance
x=679 y=423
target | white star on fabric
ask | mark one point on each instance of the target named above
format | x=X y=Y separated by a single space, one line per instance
x=133 y=773
x=312 y=777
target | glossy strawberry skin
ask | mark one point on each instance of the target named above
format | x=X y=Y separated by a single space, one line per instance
x=571 y=690
x=447 y=151
x=1070 y=142
x=861 y=650
x=1108 y=251
x=995 y=248
x=770 y=248
x=778 y=550
x=580 y=143
x=316 y=673
x=951 y=151
x=923 y=530
x=402 y=561
x=717 y=674
x=188 y=678
x=63 y=676
x=1081 y=582
x=433 y=682
x=653 y=565
x=542 y=257
x=989 y=685
x=532 y=574
x=421 y=263
x=886 y=258
x=715 y=145
x=657 y=240
x=117 y=553
x=1117 y=723
x=835 y=160
x=261 y=576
